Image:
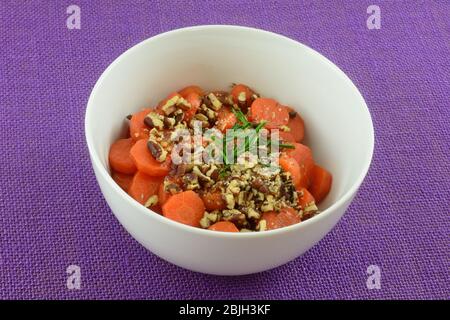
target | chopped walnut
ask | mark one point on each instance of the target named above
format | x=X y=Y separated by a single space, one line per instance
x=233 y=187
x=190 y=181
x=235 y=216
x=183 y=104
x=154 y=120
x=208 y=219
x=215 y=102
x=252 y=213
x=170 y=106
x=229 y=200
x=157 y=151
x=262 y=225
x=242 y=97
x=153 y=200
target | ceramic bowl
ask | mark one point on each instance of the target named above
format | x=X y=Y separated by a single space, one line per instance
x=338 y=129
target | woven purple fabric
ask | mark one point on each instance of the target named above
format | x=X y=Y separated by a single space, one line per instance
x=53 y=214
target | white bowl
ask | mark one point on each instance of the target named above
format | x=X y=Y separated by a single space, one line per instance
x=338 y=128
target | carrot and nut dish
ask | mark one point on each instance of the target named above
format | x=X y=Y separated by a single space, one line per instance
x=223 y=161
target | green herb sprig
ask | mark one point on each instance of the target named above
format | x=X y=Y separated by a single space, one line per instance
x=242 y=124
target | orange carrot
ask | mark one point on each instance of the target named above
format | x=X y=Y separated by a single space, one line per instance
x=224 y=226
x=271 y=220
x=195 y=100
x=122 y=179
x=303 y=155
x=191 y=89
x=225 y=119
x=287 y=217
x=119 y=156
x=289 y=164
x=213 y=201
x=297 y=126
x=143 y=187
x=269 y=110
x=321 y=183
x=305 y=198
x=243 y=91
x=146 y=163
x=138 y=129
x=185 y=207
x=286 y=136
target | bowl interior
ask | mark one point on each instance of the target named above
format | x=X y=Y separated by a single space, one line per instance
x=338 y=125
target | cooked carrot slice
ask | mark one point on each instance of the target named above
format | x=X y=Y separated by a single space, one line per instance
x=122 y=179
x=225 y=119
x=241 y=91
x=138 y=129
x=305 y=198
x=120 y=158
x=213 y=201
x=195 y=100
x=303 y=155
x=146 y=163
x=297 y=126
x=191 y=89
x=271 y=220
x=286 y=136
x=289 y=164
x=143 y=187
x=287 y=217
x=185 y=207
x=224 y=226
x=321 y=183
x=269 y=110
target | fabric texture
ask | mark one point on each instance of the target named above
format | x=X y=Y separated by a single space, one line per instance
x=52 y=211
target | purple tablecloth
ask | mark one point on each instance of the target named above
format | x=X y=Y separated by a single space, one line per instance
x=53 y=214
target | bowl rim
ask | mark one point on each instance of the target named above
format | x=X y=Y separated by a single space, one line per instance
x=204 y=232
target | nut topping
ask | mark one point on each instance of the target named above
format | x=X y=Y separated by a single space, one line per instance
x=154 y=120
x=157 y=150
